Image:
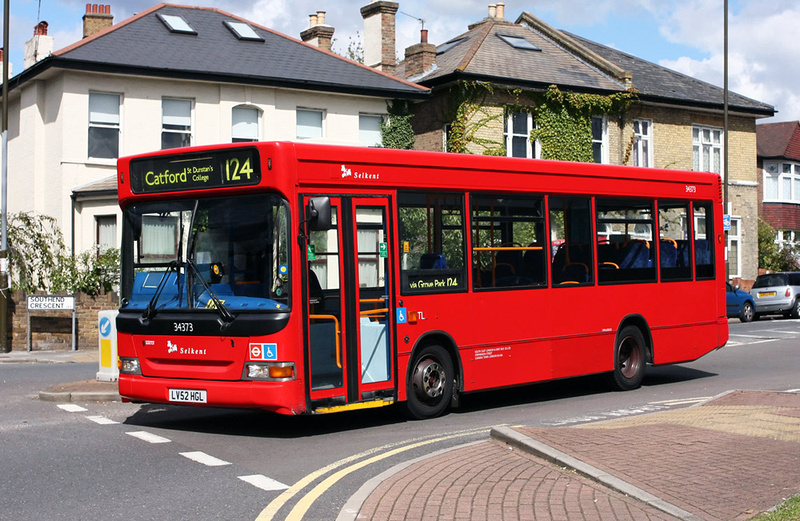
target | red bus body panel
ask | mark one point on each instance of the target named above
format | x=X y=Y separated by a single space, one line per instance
x=503 y=337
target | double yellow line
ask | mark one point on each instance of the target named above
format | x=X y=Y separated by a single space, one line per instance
x=383 y=452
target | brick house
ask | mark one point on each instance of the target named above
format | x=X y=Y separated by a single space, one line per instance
x=779 y=178
x=677 y=122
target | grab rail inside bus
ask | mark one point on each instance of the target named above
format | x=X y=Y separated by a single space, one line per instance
x=338 y=334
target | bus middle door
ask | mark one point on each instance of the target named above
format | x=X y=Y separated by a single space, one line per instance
x=349 y=318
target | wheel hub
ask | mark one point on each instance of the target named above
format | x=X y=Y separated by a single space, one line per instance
x=429 y=379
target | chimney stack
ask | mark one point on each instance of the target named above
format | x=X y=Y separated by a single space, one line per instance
x=39 y=47
x=501 y=8
x=97 y=18
x=379 y=34
x=420 y=57
x=318 y=34
x=3 y=58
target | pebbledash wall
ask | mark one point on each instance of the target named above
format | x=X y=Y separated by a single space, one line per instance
x=52 y=330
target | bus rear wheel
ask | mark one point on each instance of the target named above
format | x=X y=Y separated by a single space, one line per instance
x=430 y=383
x=629 y=359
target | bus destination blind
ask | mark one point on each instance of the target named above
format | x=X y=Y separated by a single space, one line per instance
x=214 y=169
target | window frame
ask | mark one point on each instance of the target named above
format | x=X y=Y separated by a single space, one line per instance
x=714 y=146
x=321 y=113
x=643 y=143
x=241 y=138
x=602 y=142
x=532 y=150
x=106 y=125
x=187 y=131
x=775 y=175
x=362 y=116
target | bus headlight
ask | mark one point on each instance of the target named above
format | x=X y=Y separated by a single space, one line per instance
x=273 y=371
x=129 y=366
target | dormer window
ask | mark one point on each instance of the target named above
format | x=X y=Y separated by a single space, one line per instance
x=176 y=23
x=518 y=42
x=243 y=31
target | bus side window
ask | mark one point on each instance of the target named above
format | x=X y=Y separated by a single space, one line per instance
x=625 y=248
x=674 y=246
x=431 y=242
x=703 y=240
x=571 y=240
x=508 y=241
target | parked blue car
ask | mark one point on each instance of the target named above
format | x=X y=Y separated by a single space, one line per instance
x=740 y=303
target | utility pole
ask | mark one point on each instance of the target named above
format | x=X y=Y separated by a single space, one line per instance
x=4 y=286
x=726 y=207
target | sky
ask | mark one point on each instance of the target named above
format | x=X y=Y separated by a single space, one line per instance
x=683 y=35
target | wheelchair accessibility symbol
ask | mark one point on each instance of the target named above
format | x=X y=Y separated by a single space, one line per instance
x=266 y=352
x=402 y=316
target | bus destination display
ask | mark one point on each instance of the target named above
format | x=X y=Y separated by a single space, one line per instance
x=233 y=167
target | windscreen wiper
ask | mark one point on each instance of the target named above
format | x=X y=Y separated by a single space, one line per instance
x=150 y=311
x=226 y=316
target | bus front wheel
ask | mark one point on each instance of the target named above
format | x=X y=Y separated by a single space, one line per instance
x=430 y=383
x=629 y=359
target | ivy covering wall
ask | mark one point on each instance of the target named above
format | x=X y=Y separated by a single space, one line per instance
x=563 y=120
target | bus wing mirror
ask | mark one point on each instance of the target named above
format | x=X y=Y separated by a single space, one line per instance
x=318 y=213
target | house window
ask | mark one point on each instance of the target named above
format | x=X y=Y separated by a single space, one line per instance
x=106 y=227
x=369 y=129
x=244 y=124
x=517 y=126
x=707 y=149
x=104 y=125
x=176 y=123
x=782 y=182
x=599 y=139
x=642 y=142
x=734 y=252
x=787 y=238
x=309 y=124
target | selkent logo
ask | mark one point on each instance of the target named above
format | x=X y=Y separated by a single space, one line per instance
x=174 y=348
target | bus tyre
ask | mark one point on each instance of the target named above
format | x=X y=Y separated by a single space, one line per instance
x=629 y=359
x=430 y=383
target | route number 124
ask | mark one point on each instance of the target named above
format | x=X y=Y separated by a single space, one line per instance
x=236 y=171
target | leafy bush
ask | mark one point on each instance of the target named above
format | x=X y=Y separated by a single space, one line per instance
x=770 y=255
x=38 y=259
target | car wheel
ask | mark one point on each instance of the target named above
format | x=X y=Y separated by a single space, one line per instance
x=629 y=359
x=795 y=312
x=430 y=384
x=746 y=314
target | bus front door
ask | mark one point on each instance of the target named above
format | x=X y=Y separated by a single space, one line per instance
x=349 y=320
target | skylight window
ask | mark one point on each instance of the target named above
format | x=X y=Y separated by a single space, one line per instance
x=518 y=42
x=449 y=45
x=243 y=31
x=176 y=23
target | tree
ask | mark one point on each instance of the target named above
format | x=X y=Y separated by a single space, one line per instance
x=770 y=255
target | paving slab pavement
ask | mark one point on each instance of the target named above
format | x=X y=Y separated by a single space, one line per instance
x=730 y=458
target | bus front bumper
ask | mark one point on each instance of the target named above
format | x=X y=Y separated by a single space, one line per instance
x=279 y=397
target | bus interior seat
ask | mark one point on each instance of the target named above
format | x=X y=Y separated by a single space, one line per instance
x=635 y=254
x=533 y=265
x=574 y=272
x=668 y=250
x=432 y=261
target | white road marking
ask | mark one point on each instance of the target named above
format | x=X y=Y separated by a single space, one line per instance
x=102 y=420
x=71 y=407
x=205 y=459
x=148 y=437
x=263 y=482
